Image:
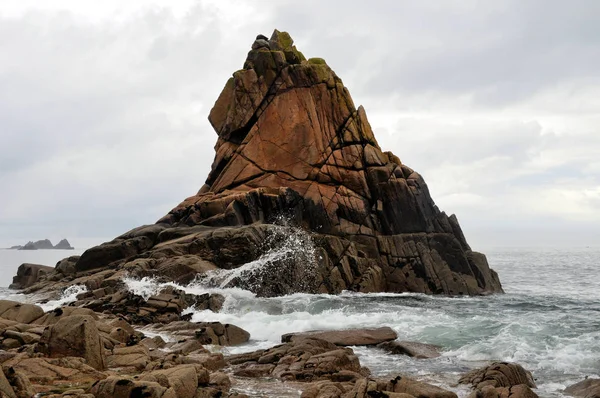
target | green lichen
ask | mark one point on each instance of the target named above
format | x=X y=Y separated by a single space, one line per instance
x=317 y=61
x=283 y=38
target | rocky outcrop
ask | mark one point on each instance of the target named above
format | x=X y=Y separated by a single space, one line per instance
x=302 y=360
x=76 y=352
x=28 y=275
x=348 y=337
x=412 y=349
x=75 y=335
x=40 y=244
x=19 y=312
x=500 y=380
x=397 y=387
x=292 y=144
x=63 y=245
x=44 y=244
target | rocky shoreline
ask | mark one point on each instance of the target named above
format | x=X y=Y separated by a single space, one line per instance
x=291 y=145
x=74 y=351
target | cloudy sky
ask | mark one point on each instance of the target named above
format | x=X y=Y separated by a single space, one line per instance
x=103 y=106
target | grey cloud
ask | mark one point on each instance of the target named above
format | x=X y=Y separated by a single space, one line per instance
x=499 y=52
x=103 y=124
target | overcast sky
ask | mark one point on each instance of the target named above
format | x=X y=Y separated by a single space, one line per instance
x=104 y=105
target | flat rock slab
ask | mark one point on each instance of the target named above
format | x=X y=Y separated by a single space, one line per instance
x=411 y=348
x=346 y=337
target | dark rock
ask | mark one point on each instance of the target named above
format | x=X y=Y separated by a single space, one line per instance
x=500 y=380
x=66 y=266
x=28 y=246
x=302 y=360
x=346 y=337
x=19 y=383
x=64 y=245
x=28 y=275
x=6 y=389
x=411 y=349
x=214 y=333
x=40 y=244
x=498 y=374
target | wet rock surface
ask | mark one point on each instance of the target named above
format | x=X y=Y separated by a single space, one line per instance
x=411 y=348
x=74 y=351
x=500 y=379
x=346 y=337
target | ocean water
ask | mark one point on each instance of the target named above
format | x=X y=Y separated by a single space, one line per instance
x=548 y=320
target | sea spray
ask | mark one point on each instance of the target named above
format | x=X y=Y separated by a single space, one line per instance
x=67 y=296
x=550 y=328
x=288 y=265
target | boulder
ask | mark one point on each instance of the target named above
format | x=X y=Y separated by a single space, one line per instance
x=498 y=374
x=518 y=391
x=588 y=388
x=28 y=275
x=411 y=348
x=399 y=387
x=66 y=266
x=214 y=333
x=126 y=387
x=20 y=312
x=72 y=370
x=290 y=142
x=305 y=360
x=52 y=317
x=21 y=385
x=346 y=337
x=410 y=386
x=136 y=357
x=183 y=380
x=75 y=335
x=6 y=389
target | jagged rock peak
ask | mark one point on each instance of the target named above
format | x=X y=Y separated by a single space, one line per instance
x=291 y=142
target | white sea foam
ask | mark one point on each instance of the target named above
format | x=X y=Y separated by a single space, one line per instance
x=548 y=320
x=68 y=295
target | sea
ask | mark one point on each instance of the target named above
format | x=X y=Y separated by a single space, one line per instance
x=548 y=320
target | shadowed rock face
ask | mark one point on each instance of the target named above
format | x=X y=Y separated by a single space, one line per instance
x=291 y=142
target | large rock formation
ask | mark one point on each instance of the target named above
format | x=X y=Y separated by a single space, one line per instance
x=28 y=275
x=292 y=143
x=44 y=244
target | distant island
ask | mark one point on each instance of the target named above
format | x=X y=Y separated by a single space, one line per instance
x=44 y=245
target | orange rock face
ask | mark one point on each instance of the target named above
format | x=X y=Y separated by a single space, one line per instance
x=290 y=141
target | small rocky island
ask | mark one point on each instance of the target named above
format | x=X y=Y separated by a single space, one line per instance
x=44 y=244
x=290 y=143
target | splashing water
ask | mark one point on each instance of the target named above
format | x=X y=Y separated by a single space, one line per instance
x=68 y=295
x=288 y=265
x=147 y=286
